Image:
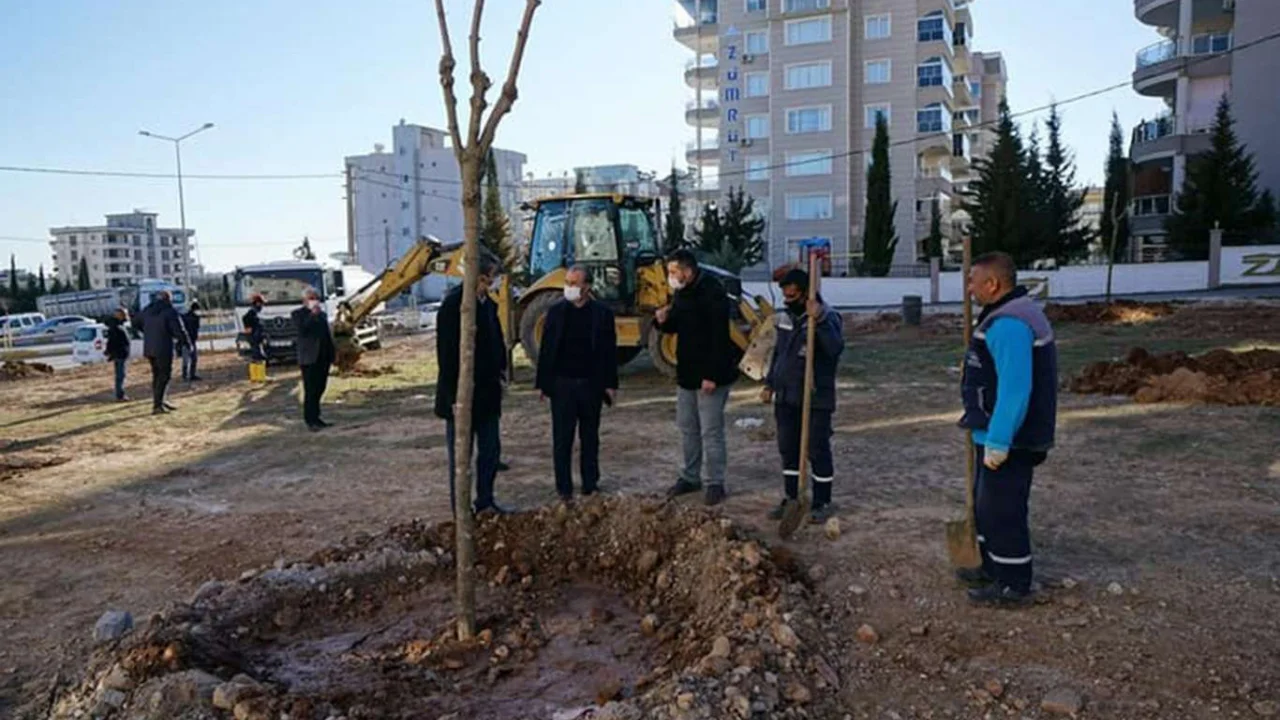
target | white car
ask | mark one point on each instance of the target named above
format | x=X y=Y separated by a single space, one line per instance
x=89 y=344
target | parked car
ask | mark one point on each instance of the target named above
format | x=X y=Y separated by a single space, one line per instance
x=89 y=344
x=59 y=328
x=20 y=323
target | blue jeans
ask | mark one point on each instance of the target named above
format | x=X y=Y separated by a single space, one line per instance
x=121 y=366
x=700 y=417
x=189 y=357
x=487 y=446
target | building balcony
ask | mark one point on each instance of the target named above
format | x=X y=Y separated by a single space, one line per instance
x=706 y=115
x=961 y=92
x=707 y=154
x=1158 y=67
x=1156 y=13
x=701 y=35
x=1147 y=213
x=702 y=73
x=1162 y=138
x=936 y=95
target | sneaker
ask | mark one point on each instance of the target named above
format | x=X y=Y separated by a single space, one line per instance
x=820 y=514
x=194 y=378
x=974 y=577
x=159 y=411
x=715 y=495
x=323 y=424
x=169 y=408
x=313 y=427
x=683 y=487
x=997 y=595
x=781 y=509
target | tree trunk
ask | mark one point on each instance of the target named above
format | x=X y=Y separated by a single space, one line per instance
x=462 y=442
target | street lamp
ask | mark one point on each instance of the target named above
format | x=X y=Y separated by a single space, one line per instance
x=182 y=208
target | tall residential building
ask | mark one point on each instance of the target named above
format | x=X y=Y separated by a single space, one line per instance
x=413 y=191
x=1211 y=48
x=786 y=96
x=128 y=249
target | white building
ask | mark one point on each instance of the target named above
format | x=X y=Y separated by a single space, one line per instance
x=129 y=248
x=413 y=191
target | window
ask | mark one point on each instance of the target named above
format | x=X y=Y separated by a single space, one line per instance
x=758 y=42
x=805 y=32
x=757 y=126
x=1211 y=43
x=804 y=5
x=758 y=168
x=975 y=88
x=814 y=162
x=757 y=84
x=878 y=72
x=808 y=120
x=809 y=75
x=757 y=5
x=961 y=35
x=933 y=119
x=933 y=26
x=933 y=73
x=870 y=112
x=812 y=206
x=164 y=254
x=878 y=27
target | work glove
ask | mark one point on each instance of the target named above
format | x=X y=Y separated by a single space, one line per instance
x=993 y=459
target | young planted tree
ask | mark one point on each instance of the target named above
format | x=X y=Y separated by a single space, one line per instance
x=1065 y=232
x=471 y=146
x=1114 y=227
x=82 y=279
x=1220 y=190
x=495 y=224
x=675 y=230
x=880 y=238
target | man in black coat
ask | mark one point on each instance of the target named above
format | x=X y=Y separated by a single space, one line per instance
x=316 y=354
x=578 y=372
x=699 y=316
x=162 y=331
x=191 y=323
x=118 y=348
x=489 y=373
x=252 y=322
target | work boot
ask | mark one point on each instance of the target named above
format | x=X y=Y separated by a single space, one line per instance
x=683 y=487
x=194 y=378
x=503 y=467
x=781 y=509
x=494 y=509
x=715 y=495
x=997 y=595
x=322 y=424
x=820 y=514
x=314 y=427
x=159 y=411
x=974 y=577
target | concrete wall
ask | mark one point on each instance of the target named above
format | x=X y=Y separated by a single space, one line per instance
x=1251 y=265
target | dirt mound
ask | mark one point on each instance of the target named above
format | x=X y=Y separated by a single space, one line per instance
x=1218 y=376
x=1118 y=312
x=616 y=609
x=19 y=370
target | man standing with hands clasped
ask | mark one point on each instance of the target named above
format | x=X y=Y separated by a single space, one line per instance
x=316 y=353
x=1010 y=393
x=577 y=371
x=699 y=316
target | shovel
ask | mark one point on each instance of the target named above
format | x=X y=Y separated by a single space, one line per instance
x=795 y=511
x=962 y=535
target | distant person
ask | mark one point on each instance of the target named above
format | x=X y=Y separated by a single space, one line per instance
x=162 y=331
x=699 y=316
x=578 y=372
x=1010 y=394
x=489 y=373
x=253 y=327
x=316 y=353
x=118 y=349
x=190 y=354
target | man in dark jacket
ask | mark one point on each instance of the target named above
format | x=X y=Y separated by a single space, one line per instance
x=699 y=316
x=316 y=354
x=578 y=371
x=253 y=327
x=784 y=386
x=118 y=348
x=489 y=373
x=1010 y=394
x=162 y=331
x=191 y=323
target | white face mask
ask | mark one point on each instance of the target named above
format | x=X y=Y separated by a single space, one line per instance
x=675 y=282
x=572 y=293
x=312 y=304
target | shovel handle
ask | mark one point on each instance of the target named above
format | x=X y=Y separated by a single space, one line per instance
x=970 y=455
x=811 y=335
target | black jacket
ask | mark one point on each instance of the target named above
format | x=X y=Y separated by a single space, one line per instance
x=490 y=367
x=315 y=341
x=162 y=330
x=603 y=351
x=786 y=370
x=253 y=325
x=118 y=345
x=191 y=322
x=699 y=315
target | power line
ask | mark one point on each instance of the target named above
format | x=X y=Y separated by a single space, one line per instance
x=164 y=176
x=45 y=241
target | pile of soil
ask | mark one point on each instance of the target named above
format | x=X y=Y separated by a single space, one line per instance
x=19 y=370
x=613 y=609
x=1118 y=312
x=1218 y=376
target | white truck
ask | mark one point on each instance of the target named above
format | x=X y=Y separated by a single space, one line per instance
x=281 y=285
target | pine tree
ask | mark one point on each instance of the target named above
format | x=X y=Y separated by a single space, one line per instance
x=933 y=243
x=675 y=230
x=997 y=199
x=42 y=287
x=1220 y=190
x=32 y=291
x=1036 y=235
x=880 y=239
x=708 y=236
x=495 y=223
x=1116 y=190
x=13 y=277
x=1067 y=237
x=56 y=286
x=82 y=282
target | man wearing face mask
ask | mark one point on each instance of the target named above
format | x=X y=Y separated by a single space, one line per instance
x=489 y=373
x=578 y=371
x=1010 y=394
x=699 y=316
x=784 y=386
x=316 y=353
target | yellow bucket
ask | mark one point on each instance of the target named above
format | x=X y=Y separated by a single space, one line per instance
x=257 y=372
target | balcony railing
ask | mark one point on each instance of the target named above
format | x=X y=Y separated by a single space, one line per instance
x=1151 y=205
x=684 y=21
x=1203 y=44
x=707 y=144
x=797 y=6
x=706 y=105
x=1158 y=53
x=1151 y=130
x=706 y=61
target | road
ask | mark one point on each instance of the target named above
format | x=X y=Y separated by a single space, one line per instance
x=58 y=356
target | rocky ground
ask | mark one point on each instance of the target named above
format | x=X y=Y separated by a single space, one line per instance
x=272 y=572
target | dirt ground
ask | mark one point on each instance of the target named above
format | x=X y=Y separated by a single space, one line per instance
x=1157 y=526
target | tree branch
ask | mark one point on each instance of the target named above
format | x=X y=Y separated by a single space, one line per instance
x=508 y=97
x=480 y=82
x=447 y=64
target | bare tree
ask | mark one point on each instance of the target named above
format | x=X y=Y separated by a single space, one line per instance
x=471 y=152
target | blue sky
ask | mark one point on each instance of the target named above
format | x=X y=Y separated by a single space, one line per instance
x=295 y=85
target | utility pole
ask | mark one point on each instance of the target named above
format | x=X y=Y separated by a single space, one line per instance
x=351 y=218
x=182 y=206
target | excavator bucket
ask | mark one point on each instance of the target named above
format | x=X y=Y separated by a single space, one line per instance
x=347 y=350
x=755 y=360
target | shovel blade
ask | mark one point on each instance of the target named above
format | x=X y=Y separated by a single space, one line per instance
x=793 y=516
x=962 y=544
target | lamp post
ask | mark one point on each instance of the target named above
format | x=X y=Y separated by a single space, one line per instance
x=182 y=208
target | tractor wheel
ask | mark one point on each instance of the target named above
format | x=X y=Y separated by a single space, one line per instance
x=662 y=350
x=531 y=320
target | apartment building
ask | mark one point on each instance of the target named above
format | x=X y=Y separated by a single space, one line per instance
x=1211 y=48
x=129 y=248
x=785 y=99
